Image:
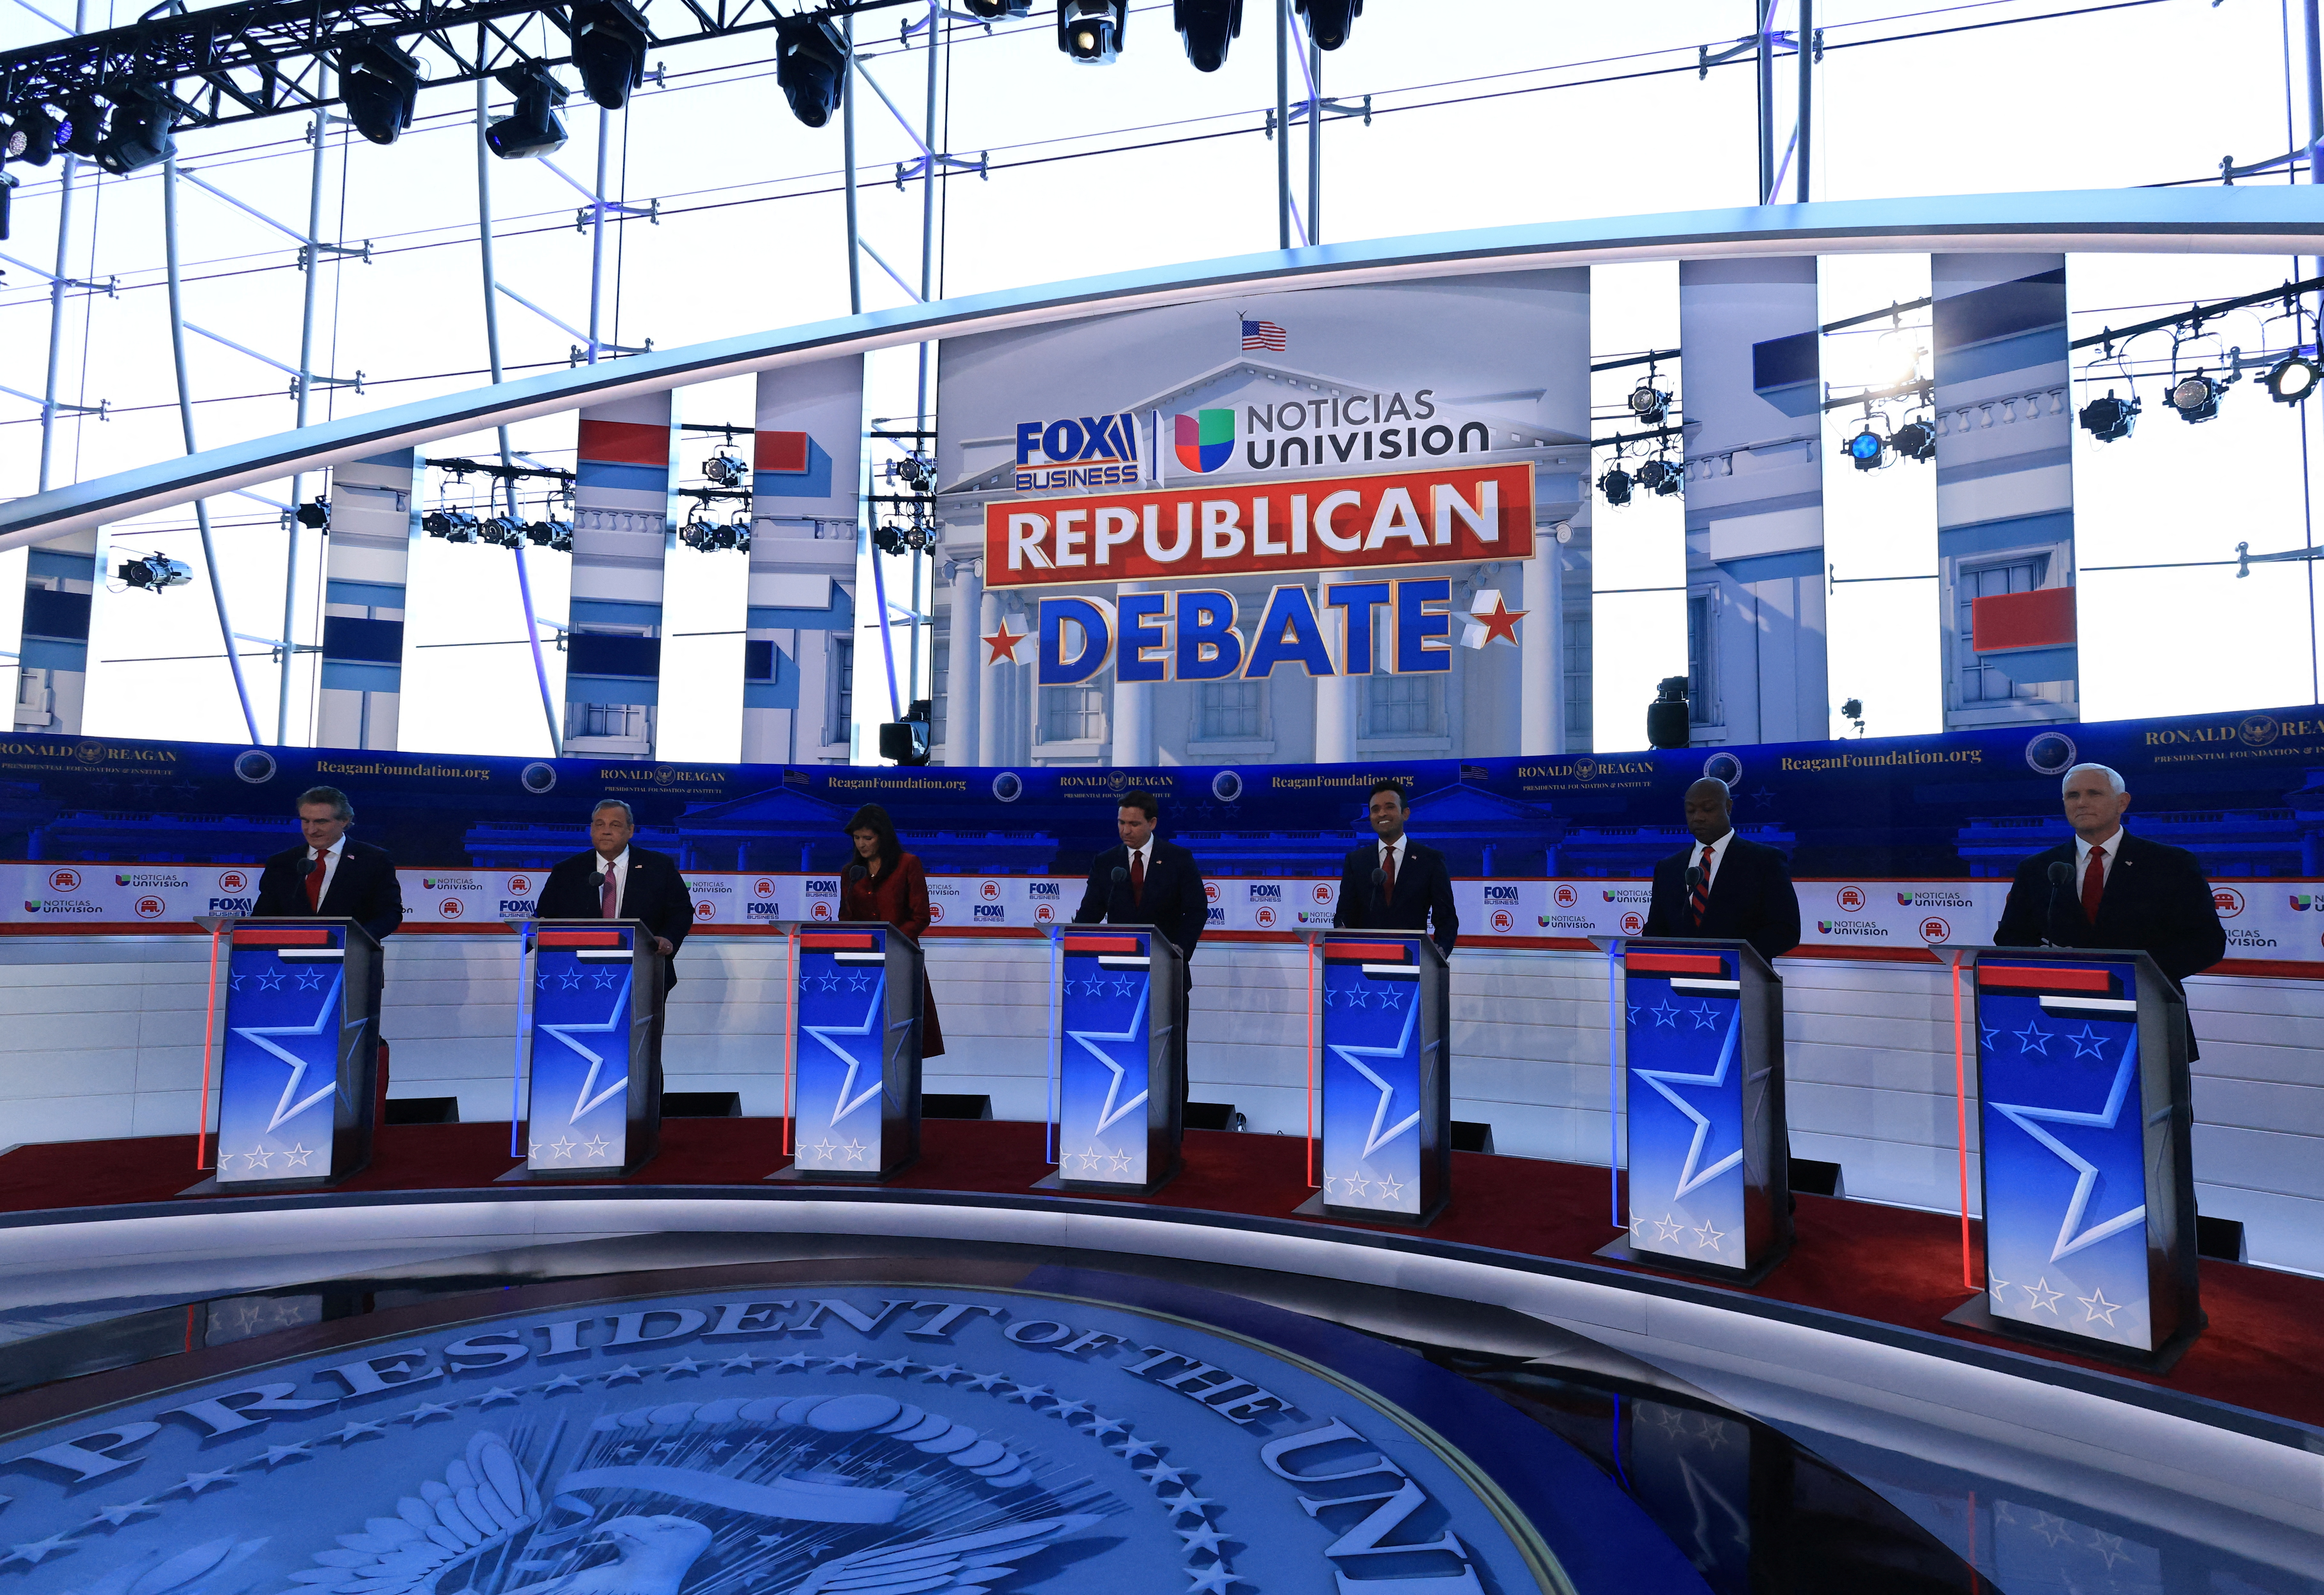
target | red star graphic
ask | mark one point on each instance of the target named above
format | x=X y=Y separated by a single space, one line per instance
x=1002 y=645
x=1500 y=622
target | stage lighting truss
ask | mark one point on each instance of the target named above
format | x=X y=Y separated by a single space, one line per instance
x=1867 y=450
x=810 y=67
x=2292 y=379
x=902 y=537
x=1662 y=476
x=2196 y=398
x=2110 y=419
x=1328 y=20
x=153 y=572
x=1617 y=483
x=1089 y=31
x=138 y=133
x=725 y=469
x=533 y=128
x=1916 y=439
x=1207 y=27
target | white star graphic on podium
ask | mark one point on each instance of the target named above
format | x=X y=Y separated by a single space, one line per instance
x=2039 y=1296
x=296 y=1158
x=1707 y=1236
x=1390 y=1190
x=2095 y=1306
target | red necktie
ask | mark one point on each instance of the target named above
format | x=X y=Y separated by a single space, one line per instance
x=1388 y=873
x=2094 y=884
x=1701 y=901
x=315 y=882
x=609 y=894
x=1138 y=878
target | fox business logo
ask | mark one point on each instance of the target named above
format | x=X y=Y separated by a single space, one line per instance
x=989 y=914
x=1077 y=451
x=825 y=887
x=231 y=905
x=1052 y=890
x=1217 y=916
x=1264 y=892
x=523 y=907
x=1500 y=894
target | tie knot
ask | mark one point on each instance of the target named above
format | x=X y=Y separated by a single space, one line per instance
x=2099 y=852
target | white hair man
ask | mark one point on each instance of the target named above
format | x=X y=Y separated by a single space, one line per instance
x=2110 y=889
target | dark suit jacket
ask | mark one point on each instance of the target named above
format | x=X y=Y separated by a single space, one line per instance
x=655 y=893
x=1424 y=892
x=2156 y=901
x=1174 y=902
x=1751 y=899
x=364 y=888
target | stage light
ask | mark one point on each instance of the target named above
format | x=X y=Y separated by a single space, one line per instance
x=1867 y=450
x=993 y=11
x=153 y=572
x=7 y=195
x=379 y=86
x=31 y=136
x=84 y=127
x=1648 y=403
x=709 y=537
x=1205 y=27
x=1328 y=20
x=454 y=526
x=1090 y=30
x=139 y=134
x=916 y=472
x=1666 y=717
x=316 y=516
x=2293 y=379
x=556 y=536
x=811 y=65
x=1660 y=476
x=888 y=538
x=1616 y=485
x=2110 y=419
x=609 y=50
x=725 y=470
x=2195 y=398
x=501 y=532
x=533 y=128
x=1915 y=440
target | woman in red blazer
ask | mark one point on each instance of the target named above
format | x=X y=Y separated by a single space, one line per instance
x=891 y=888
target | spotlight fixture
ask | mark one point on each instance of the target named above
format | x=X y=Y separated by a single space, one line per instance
x=533 y=127
x=501 y=532
x=2110 y=419
x=1328 y=20
x=1867 y=450
x=380 y=87
x=725 y=470
x=84 y=127
x=1915 y=440
x=556 y=536
x=889 y=538
x=153 y=572
x=316 y=516
x=1205 y=27
x=2295 y=377
x=1649 y=404
x=609 y=50
x=2195 y=398
x=1090 y=30
x=914 y=471
x=993 y=11
x=1660 y=476
x=7 y=194
x=1616 y=485
x=811 y=66
x=454 y=526
x=1666 y=717
x=708 y=537
x=139 y=132
x=31 y=135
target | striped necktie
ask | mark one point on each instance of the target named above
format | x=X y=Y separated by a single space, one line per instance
x=1701 y=901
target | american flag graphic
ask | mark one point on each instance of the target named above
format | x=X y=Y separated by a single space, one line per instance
x=1264 y=334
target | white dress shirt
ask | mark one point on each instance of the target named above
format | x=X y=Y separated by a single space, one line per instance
x=2113 y=845
x=1718 y=858
x=621 y=868
x=331 y=867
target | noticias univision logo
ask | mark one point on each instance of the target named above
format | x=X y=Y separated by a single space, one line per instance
x=1205 y=439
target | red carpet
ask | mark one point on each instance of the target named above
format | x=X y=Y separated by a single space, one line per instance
x=1890 y=1265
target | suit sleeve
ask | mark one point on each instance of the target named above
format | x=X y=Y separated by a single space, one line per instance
x=381 y=911
x=2193 y=938
x=677 y=918
x=1442 y=914
x=1194 y=908
x=1780 y=931
x=1343 y=905
x=274 y=883
x=916 y=899
x=2028 y=905
x=1094 y=896
x=1662 y=911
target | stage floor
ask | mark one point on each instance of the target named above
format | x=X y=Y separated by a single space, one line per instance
x=1880 y=1266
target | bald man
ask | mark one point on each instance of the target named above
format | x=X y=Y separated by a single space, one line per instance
x=2115 y=890
x=1742 y=890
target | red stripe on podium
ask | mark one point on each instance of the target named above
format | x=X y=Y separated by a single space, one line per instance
x=2014 y=977
x=1104 y=943
x=1709 y=963
x=282 y=938
x=831 y=942
x=1367 y=953
x=580 y=939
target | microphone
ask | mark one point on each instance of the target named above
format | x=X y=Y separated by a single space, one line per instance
x=1693 y=878
x=2061 y=875
x=2061 y=872
x=856 y=872
x=1119 y=874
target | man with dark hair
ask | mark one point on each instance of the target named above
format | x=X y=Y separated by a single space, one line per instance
x=1739 y=890
x=614 y=880
x=1146 y=881
x=333 y=877
x=1395 y=884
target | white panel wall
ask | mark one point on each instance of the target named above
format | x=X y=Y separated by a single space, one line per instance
x=104 y=1039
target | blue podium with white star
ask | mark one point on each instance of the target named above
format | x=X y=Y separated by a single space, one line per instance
x=298 y=1052
x=586 y=1036
x=1120 y=999
x=855 y=1040
x=2084 y=1121
x=1703 y=1052
x=1386 y=1076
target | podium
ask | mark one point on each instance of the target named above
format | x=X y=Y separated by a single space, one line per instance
x=1120 y=1000
x=2084 y=1118
x=1387 y=1077
x=1709 y=1163
x=300 y=1055
x=855 y=1035
x=585 y=1040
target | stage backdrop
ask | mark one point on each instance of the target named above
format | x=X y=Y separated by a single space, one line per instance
x=1898 y=843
